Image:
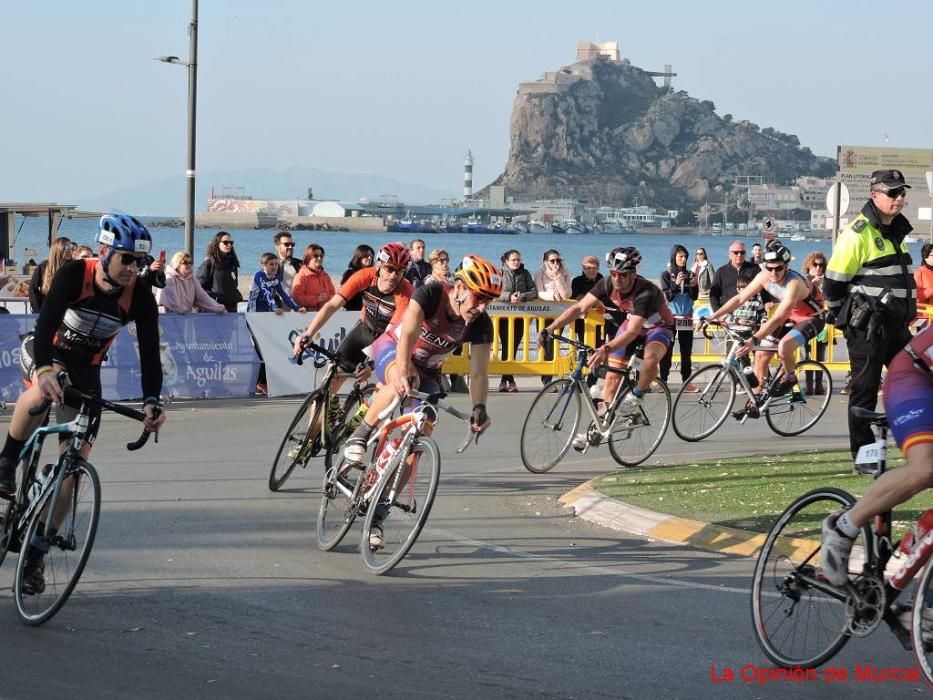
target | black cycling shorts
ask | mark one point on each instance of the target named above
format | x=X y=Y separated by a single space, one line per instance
x=357 y=340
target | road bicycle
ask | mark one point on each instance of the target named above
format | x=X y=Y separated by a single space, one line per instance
x=55 y=510
x=705 y=400
x=304 y=439
x=400 y=478
x=553 y=421
x=800 y=619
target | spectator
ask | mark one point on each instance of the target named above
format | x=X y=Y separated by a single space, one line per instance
x=288 y=264
x=267 y=293
x=553 y=284
x=61 y=252
x=814 y=269
x=182 y=293
x=579 y=288
x=440 y=267
x=757 y=255
x=517 y=286
x=83 y=252
x=924 y=275
x=723 y=287
x=218 y=273
x=312 y=287
x=362 y=257
x=703 y=271
x=418 y=268
x=681 y=290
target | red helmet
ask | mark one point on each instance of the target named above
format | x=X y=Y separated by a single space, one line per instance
x=394 y=253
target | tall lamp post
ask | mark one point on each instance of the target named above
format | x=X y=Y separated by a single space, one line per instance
x=192 y=65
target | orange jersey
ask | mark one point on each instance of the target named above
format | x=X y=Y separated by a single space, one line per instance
x=379 y=309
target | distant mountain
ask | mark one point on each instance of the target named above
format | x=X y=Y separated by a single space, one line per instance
x=166 y=196
x=605 y=132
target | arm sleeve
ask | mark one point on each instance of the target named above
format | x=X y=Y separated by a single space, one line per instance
x=203 y=301
x=284 y=296
x=146 y=316
x=169 y=296
x=66 y=287
x=204 y=275
x=666 y=284
x=715 y=291
x=358 y=281
x=300 y=290
x=844 y=264
x=35 y=288
x=508 y=286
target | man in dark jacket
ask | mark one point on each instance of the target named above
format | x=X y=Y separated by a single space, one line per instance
x=723 y=288
x=288 y=263
x=418 y=268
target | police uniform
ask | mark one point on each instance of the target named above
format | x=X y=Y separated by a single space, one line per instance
x=870 y=289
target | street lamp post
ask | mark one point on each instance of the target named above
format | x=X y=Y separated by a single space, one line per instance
x=192 y=65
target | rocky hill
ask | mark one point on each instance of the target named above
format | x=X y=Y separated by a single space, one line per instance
x=605 y=132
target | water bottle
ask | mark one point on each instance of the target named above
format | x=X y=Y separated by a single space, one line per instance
x=41 y=477
x=357 y=417
x=382 y=463
x=916 y=544
x=750 y=377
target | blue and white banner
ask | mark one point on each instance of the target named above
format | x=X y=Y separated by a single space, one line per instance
x=275 y=335
x=203 y=356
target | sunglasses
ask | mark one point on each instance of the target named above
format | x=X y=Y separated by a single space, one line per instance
x=289 y=245
x=229 y=241
x=817 y=264
x=737 y=252
x=130 y=259
x=699 y=253
x=185 y=262
x=556 y=260
x=896 y=192
x=774 y=268
x=623 y=273
x=393 y=270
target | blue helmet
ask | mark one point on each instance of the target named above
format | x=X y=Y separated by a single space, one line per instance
x=123 y=232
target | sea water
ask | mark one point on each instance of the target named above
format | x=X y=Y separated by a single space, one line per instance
x=339 y=246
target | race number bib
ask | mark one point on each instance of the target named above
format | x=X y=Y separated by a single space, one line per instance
x=683 y=323
x=635 y=362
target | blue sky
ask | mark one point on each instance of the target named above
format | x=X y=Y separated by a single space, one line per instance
x=403 y=89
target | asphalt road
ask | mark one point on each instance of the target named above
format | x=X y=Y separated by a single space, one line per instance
x=204 y=584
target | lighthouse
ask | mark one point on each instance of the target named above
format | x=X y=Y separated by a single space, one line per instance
x=468 y=175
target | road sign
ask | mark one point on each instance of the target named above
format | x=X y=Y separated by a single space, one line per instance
x=843 y=199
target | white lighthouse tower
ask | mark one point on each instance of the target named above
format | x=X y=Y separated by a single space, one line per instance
x=468 y=175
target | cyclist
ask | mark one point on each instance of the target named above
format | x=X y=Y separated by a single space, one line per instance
x=87 y=304
x=795 y=322
x=908 y=403
x=385 y=296
x=648 y=322
x=439 y=319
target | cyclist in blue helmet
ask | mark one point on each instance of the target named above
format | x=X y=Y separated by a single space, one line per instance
x=114 y=229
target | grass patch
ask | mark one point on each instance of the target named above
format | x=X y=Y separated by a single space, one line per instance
x=749 y=492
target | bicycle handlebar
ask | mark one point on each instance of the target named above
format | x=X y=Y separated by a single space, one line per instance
x=570 y=341
x=437 y=400
x=341 y=362
x=74 y=397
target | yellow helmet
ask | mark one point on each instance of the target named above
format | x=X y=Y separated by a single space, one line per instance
x=480 y=276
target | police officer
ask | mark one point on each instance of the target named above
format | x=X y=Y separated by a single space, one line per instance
x=870 y=291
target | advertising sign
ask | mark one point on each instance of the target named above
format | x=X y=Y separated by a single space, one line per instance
x=856 y=164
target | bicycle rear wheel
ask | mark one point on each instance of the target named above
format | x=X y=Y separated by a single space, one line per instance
x=550 y=425
x=799 y=618
x=639 y=434
x=793 y=413
x=337 y=509
x=297 y=446
x=69 y=545
x=409 y=505
x=698 y=415
x=923 y=613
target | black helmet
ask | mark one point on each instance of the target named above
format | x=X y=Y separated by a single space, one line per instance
x=777 y=252
x=623 y=259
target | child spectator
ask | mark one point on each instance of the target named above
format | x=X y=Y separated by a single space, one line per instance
x=752 y=313
x=267 y=289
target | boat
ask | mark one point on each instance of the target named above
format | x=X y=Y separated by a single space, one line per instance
x=612 y=227
x=535 y=226
x=474 y=226
x=798 y=237
x=572 y=226
x=406 y=226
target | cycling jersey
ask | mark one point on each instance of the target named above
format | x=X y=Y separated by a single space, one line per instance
x=439 y=336
x=379 y=308
x=803 y=309
x=79 y=322
x=908 y=393
x=645 y=299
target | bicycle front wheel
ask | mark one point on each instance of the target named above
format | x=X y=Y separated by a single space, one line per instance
x=337 y=509
x=698 y=415
x=550 y=425
x=799 y=618
x=795 y=413
x=67 y=539
x=920 y=623
x=300 y=441
x=635 y=437
x=401 y=507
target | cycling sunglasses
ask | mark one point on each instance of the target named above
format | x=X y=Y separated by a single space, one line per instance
x=130 y=259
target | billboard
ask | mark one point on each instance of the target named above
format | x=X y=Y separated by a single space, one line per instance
x=856 y=164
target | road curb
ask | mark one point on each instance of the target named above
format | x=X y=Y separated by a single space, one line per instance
x=599 y=509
